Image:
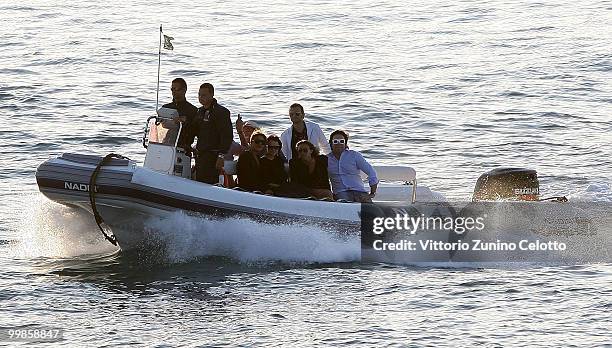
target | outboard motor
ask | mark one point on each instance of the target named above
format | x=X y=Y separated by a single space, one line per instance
x=507 y=184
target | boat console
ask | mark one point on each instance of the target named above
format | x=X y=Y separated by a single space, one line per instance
x=160 y=138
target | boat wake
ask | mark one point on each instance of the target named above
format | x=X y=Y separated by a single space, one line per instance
x=51 y=230
x=187 y=237
x=596 y=192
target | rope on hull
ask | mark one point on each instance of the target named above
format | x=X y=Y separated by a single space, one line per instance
x=92 y=196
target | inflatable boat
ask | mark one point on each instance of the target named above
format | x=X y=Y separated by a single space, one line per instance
x=122 y=195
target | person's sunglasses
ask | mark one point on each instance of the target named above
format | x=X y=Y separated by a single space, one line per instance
x=260 y=142
x=338 y=141
x=274 y=147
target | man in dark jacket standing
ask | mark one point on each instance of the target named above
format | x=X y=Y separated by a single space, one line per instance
x=187 y=111
x=213 y=127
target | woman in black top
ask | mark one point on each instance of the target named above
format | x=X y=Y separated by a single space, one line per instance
x=309 y=170
x=248 y=167
x=272 y=166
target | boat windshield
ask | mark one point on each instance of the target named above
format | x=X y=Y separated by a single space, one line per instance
x=163 y=131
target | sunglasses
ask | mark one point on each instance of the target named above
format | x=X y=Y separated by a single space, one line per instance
x=259 y=142
x=274 y=147
x=338 y=141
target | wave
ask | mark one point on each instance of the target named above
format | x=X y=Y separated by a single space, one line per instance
x=18 y=71
x=187 y=237
x=307 y=45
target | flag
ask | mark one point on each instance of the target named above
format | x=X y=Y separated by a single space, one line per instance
x=168 y=42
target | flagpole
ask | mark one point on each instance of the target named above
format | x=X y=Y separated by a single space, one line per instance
x=158 y=67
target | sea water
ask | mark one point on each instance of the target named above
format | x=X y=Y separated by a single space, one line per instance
x=452 y=89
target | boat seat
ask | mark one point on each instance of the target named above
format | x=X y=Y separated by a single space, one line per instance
x=394 y=180
x=393 y=173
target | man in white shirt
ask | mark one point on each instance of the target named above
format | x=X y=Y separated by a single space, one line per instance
x=302 y=130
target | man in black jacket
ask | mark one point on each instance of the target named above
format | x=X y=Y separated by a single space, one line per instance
x=213 y=127
x=187 y=111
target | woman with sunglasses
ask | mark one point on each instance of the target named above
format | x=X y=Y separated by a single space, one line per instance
x=308 y=172
x=344 y=167
x=248 y=167
x=272 y=166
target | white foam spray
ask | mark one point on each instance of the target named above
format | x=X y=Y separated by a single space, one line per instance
x=595 y=192
x=187 y=237
x=48 y=229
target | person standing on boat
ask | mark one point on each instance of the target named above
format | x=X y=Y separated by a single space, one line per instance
x=187 y=111
x=344 y=167
x=301 y=130
x=213 y=127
